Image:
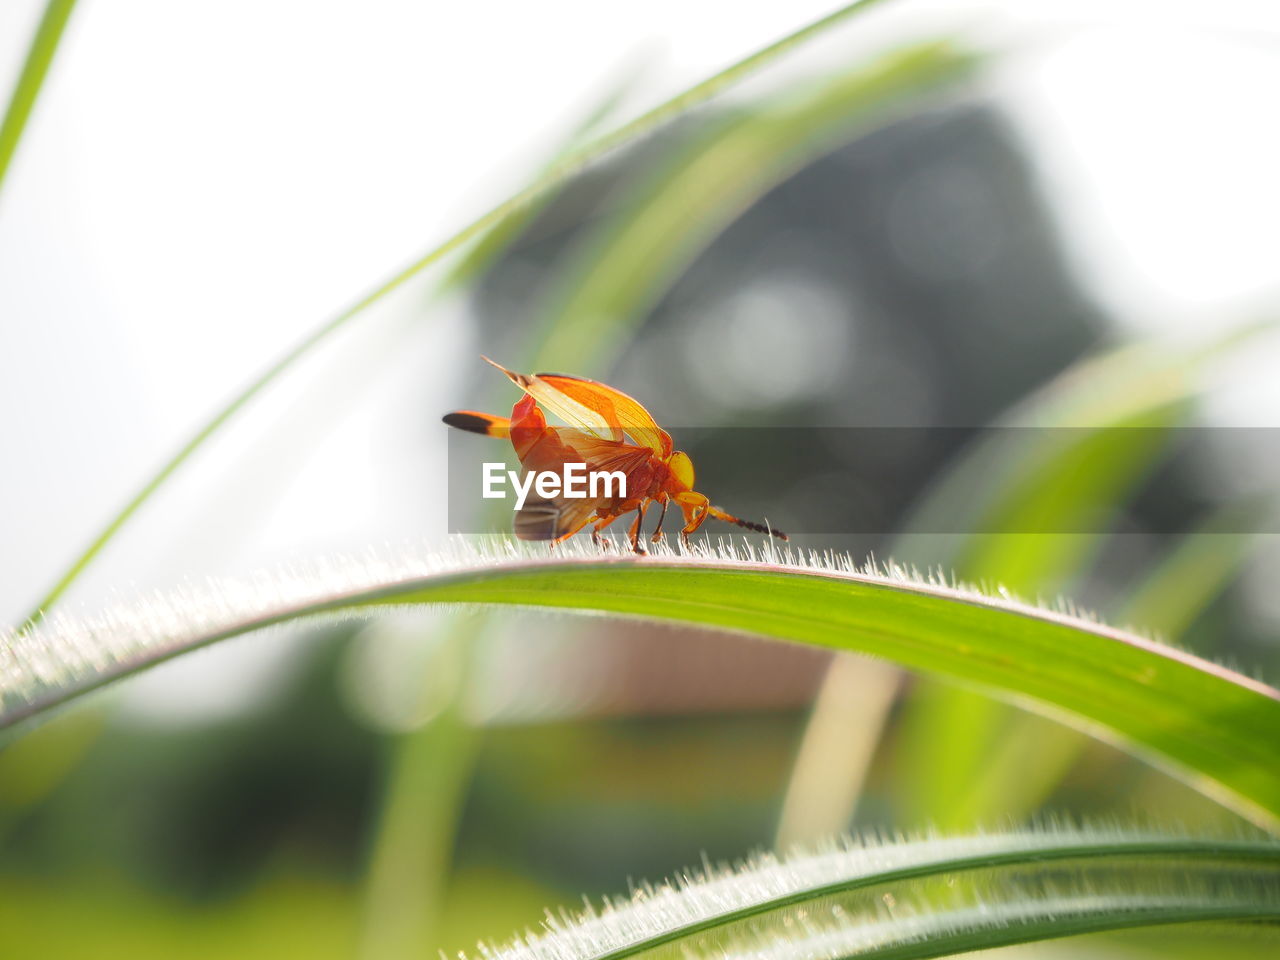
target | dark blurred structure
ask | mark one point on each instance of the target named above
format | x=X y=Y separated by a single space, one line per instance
x=911 y=278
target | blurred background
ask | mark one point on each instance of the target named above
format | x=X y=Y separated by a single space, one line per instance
x=939 y=215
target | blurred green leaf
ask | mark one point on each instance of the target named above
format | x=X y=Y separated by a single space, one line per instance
x=667 y=218
x=1113 y=412
x=1028 y=758
x=293 y=910
x=288 y=915
x=1195 y=572
x=1084 y=440
x=412 y=846
x=23 y=100
x=498 y=240
x=33 y=766
x=1072 y=461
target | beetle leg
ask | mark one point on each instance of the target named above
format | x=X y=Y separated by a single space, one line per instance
x=696 y=509
x=635 y=527
x=657 y=532
x=565 y=536
x=595 y=532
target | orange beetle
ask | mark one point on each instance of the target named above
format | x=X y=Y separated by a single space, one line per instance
x=602 y=422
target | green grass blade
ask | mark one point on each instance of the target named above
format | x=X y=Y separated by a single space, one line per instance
x=946 y=732
x=953 y=739
x=668 y=217
x=1006 y=481
x=40 y=55
x=1208 y=725
x=1029 y=757
x=923 y=898
x=1196 y=571
x=559 y=174
x=498 y=240
x=412 y=845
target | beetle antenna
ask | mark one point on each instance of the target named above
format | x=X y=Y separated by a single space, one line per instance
x=761 y=528
x=748 y=524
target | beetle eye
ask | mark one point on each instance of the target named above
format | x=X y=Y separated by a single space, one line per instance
x=681 y=468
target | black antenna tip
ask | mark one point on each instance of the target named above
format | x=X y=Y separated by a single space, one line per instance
x=761 y=528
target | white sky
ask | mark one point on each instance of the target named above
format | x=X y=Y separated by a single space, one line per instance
x=204 y=182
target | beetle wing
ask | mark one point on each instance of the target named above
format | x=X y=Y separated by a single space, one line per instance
x=612 y=406
x=593 y=407
x=554 y=518
x=600 y=454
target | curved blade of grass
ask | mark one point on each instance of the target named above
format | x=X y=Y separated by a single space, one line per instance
x=1206 y=724
x=1196 y=571
x=922 y=898
x=947 y=731
x=496 y=242
x=1008 y=477
x=566 y=168
x=1029 y=757
x=951 y=737
x=39 y=56
x=1076 y=906
x=33 y=767
x=669 y=217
